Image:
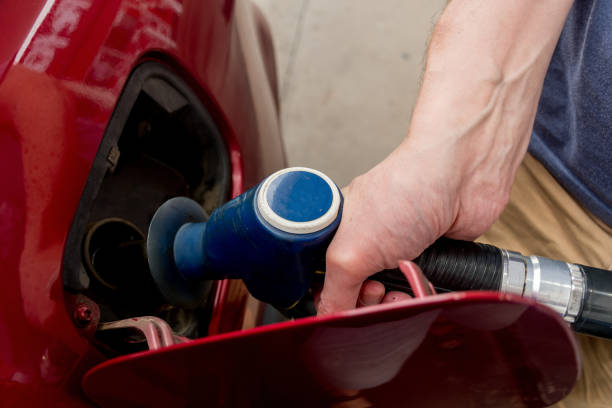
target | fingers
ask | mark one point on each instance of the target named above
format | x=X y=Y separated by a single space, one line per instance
x=395 y=296
x=340 y=291
x=372 y=293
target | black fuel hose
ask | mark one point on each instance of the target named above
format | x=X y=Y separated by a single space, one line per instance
x=581 y=294
x=462 y=265
x=596 y=315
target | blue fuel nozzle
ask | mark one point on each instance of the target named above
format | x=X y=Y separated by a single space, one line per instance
x=273 y=237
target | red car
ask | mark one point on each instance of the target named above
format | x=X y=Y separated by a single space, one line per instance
x=110 y=107
x=107 y=108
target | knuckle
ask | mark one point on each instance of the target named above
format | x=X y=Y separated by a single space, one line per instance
x=347 y=259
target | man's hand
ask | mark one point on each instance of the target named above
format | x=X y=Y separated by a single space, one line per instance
x=470 y=129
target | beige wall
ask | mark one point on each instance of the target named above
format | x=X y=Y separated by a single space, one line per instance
x=349 y=73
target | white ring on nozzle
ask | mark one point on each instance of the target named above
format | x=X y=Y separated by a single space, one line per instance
x=295 y=227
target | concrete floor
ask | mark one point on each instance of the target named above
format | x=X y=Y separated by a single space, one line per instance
x=349 y=73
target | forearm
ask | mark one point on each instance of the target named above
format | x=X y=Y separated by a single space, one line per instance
x=484 y=72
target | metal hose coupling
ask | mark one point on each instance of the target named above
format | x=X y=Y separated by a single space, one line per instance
x=559 y=285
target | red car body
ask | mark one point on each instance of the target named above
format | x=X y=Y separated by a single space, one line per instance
x=63 y=65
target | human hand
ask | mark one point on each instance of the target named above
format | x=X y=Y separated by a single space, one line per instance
x=394 y=212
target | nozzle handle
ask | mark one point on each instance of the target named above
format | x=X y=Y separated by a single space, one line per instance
x=274 y=237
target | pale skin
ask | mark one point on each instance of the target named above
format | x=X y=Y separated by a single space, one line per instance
x=453 y=173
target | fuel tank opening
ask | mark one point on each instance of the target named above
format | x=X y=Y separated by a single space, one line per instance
x=114 y=254
x=116 y=263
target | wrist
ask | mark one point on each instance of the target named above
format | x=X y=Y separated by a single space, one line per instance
x=467 y=185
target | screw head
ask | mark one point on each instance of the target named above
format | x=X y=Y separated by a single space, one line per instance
x=82 y=315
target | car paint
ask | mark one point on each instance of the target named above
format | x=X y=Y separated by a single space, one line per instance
x=63 y=64
x=459 y=349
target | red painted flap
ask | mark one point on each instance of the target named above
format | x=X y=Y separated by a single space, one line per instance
x=461 y=349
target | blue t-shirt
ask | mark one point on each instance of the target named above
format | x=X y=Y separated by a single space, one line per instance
x=572 y=134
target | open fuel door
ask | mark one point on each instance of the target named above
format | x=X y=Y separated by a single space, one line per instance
x=452 y=350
